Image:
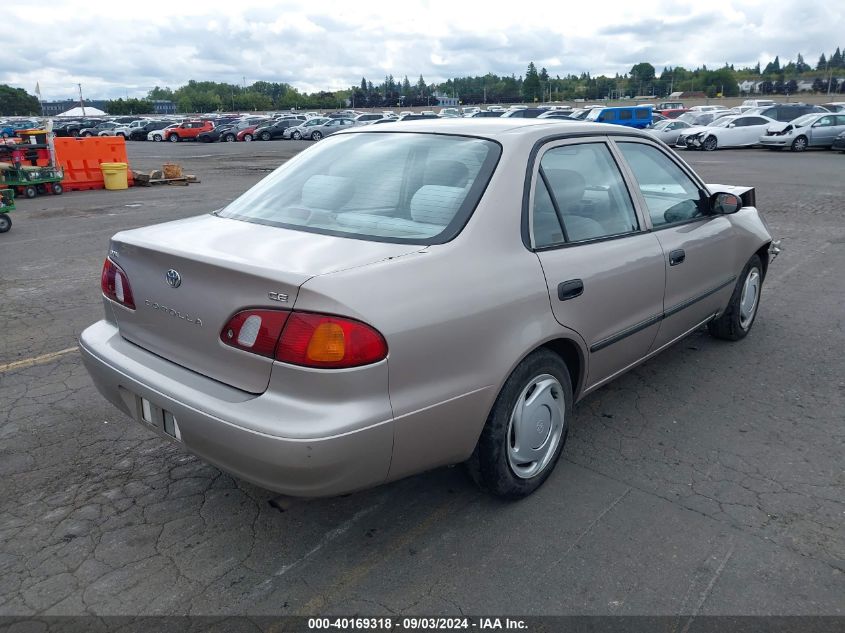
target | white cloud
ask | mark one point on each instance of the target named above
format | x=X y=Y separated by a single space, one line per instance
x=119 y=49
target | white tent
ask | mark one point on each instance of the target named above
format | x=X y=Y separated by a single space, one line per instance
x=89 y=111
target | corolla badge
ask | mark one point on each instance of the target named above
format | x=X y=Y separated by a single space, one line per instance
x=174 y=279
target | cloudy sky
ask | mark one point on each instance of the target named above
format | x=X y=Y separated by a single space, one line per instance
x=123 y=49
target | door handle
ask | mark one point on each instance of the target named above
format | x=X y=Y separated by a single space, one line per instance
x=570 y=289
x=677 y=257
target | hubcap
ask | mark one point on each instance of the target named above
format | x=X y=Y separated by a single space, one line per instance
x=536 y=426
x=748 y=300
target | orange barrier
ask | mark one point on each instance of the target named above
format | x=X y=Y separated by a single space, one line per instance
x=80 y=158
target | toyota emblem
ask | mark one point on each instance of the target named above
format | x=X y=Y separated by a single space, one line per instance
x=174 y=279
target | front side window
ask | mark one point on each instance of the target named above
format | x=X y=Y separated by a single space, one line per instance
x=397 y=187
x=671 y=195
x=580 y=195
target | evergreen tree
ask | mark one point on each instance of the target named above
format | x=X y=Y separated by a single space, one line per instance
x=836 y=59
x=822 y=65
x=800 y=65
x=531 y=83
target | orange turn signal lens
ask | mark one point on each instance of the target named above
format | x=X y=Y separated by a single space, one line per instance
x=327 y=344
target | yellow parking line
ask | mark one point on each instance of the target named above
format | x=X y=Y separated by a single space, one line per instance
x=36 y=360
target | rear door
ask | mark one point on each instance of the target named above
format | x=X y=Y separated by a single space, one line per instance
x=699 y=250
x=825 y=130
x=604 y=272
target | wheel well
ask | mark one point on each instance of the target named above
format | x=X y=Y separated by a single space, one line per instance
x=763 y=254
x=571 y=355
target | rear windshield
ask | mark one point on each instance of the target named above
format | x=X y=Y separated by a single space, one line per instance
x=392 y=186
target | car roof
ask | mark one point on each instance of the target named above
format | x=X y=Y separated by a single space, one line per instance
x=503 y=130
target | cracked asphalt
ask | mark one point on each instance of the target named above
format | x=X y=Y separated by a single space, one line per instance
x=707 y=481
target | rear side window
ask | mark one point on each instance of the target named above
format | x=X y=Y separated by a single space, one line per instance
x=642 y=114
x=580 y=195
x=395 y=187
x=625 y=115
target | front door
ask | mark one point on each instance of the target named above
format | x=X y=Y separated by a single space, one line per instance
x=604 y=272
x=699 y=249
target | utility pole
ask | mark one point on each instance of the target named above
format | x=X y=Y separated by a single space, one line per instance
x=829 y=76
x=82 y=103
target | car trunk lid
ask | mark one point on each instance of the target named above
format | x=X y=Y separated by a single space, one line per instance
x=222 y=266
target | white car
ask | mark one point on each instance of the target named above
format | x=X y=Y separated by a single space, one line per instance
x=124 y=130
x=368 y=118
x=160 y=135
x=740 y=130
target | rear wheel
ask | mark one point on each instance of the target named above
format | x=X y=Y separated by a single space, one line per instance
x=316 y=136
x=739 y=316
x=157 y=138
x=710 y=143
x=5 y=222
x=30 y=192
x=230 y=138
x=265 y=136
x=248 y=138
x=526 y=429
x=173 y=138
x=799 y=144
x=296 y=135
x=57 y=188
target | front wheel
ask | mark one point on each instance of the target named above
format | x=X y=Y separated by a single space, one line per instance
x=296 y=136
x=248 y=138
x=526 y=429
x=5 y=222
x=265 y=136
x=799 y=144
x=157 y=138
x=230 y=138
x=57 y=188
x=735 y=323
x=709 y=144
x=30 y=192
x=173 y=138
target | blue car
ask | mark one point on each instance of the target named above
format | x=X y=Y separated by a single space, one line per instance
x=631 y=116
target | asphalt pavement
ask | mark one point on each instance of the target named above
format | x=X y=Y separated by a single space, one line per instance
x=709 y=481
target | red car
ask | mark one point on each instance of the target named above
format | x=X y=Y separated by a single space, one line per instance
x=189 y=130
x=671 y=109
x=248 y=133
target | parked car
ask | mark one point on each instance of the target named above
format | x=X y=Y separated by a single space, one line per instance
x=450 y=113
x=276 y=129
x=670 y=106
x=556 y=114
x=248 y=133
x=758 y=103
x=786 y=112
x=631 y=116
x=73 y=128
x=327 y=128
x=739 y=130
x=523 y=113
x=668 y=131
x=188 y=131
x=810 y=130
x=100 y=127
x=702 y=118
x=486 y=114
x=315 y=336
x=425 y=115
x=367 y=118
x=215 y=134
x=303 y=130
x=160 y=135
x=140 y=133
x=231 y=135
x=836 y=106
x=124 y=130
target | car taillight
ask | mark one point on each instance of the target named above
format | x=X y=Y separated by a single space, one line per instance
x=329 y=342
x=255 y=331
x=115 y=284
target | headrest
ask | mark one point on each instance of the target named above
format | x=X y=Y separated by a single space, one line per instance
x=327 y=192
x=436 y=204
x=450 y=173
x=567 y=186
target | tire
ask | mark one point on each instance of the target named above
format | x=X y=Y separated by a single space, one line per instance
x=57 y=188
x=30 y=192
x=121 y=135
x=174 y=138
x=709 y=144
x=5 y=223
x=247 y=138
x=87 y=134
x=799 y=144
x=230 y=138
x=316 y=136
x=265 y=136
x=296 y=136
x=735 y=323
x=495 y=464
x=157 y=138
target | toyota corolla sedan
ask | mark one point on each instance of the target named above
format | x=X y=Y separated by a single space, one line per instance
x=405 y=296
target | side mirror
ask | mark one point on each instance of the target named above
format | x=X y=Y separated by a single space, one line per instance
x=725 y=203
x=731 y=124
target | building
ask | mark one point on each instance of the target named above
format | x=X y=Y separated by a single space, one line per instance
x=54 y=108
x=445 y=100
x=163 y=106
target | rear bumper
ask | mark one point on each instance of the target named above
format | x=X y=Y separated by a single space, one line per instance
x=242 y=433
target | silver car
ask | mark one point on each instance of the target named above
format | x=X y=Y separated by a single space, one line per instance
x=668 y=131
x=406 y=296
x=810 y=130
x=305 y=129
